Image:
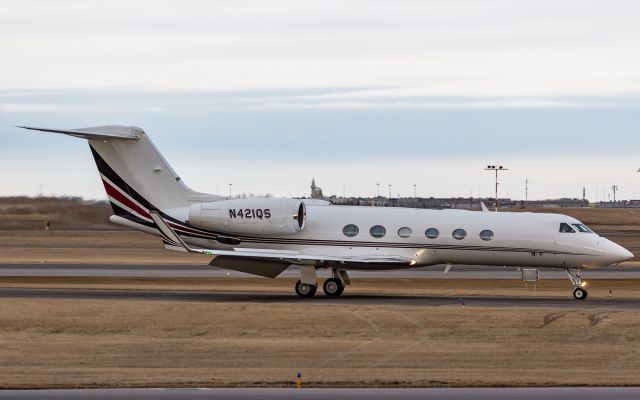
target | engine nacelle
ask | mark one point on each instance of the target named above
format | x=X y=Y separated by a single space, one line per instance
x=261 y=216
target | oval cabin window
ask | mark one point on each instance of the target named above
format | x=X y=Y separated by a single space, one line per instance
x=377 y=231
x=459 y=234
x=350 y=230
x=432 y=233
x=404 y=232
x=486 y=235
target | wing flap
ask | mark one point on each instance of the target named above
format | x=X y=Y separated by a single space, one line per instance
x=269 y=268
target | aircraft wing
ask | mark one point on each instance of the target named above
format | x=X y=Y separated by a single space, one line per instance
x=281 y=257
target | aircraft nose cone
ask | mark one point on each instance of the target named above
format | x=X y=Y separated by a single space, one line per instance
x=619 y=253
x=625 y=254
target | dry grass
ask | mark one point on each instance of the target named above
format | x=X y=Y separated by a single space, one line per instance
x=89 y=247
x=69 y=343
x=30 y=213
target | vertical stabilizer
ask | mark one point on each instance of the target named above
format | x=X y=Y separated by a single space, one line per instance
x=132 y=168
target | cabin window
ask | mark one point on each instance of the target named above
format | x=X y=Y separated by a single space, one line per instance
x=566 y=228
x=404 y=232
x=582 y=228
x=432 y=233
x=350 y=230
x=459 y=234
x=378 y=231
x=486 y=235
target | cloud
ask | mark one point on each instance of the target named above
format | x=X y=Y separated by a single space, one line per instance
x=320 y=82
x=456 y=48
x=391 y=98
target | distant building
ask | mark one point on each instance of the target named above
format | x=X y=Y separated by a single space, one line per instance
x=464 y=203
x=316 y=191
x=619 y=204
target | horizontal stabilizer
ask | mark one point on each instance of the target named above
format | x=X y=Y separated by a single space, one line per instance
x=96 y=132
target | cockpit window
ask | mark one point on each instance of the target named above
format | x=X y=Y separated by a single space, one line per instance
x=582 y=228
x=566 y=228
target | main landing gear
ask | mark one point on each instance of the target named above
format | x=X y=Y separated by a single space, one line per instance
x=579 y=293
x=306 y=289
x=308 y=283
x=333 y=287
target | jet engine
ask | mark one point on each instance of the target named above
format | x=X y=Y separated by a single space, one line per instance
x=260 y=216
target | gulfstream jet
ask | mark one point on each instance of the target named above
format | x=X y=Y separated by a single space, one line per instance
x=264 y=236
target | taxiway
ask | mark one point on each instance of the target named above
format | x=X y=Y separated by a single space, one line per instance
x=276 y=298
x=562 y=393
x=204 y=271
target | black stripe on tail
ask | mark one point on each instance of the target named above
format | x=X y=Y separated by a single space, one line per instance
x=107 y=171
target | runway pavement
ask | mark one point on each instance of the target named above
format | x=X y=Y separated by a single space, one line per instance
x=277 y=298
x=613 y=393
x=174 y=271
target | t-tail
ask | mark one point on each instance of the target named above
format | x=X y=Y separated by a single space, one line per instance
x=135 y=175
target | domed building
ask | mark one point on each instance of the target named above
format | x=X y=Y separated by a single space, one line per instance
x=316 y=191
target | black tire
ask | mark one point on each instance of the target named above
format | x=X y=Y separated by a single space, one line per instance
x=333 y=287
x=305 y=290
x=580 y=294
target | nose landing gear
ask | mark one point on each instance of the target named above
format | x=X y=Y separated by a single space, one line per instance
x=579 y=293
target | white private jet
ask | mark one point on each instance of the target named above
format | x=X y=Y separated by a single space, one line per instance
x=264 y=236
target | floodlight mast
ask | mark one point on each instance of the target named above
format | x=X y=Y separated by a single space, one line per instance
x=496 y=169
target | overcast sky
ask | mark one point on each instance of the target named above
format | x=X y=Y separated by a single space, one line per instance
x=267 y=95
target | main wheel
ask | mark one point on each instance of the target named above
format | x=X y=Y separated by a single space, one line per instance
x=305 y=290
x=580 y=294
x=333 y=287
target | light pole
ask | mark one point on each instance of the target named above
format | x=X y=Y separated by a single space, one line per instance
x=496 y=169
x=414 y=191
x=614 y=188
x=230 y=189
x=389 y=195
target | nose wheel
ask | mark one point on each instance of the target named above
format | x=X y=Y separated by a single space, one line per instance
x=579 y=293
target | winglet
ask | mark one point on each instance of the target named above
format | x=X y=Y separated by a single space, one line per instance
x=484 y=207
